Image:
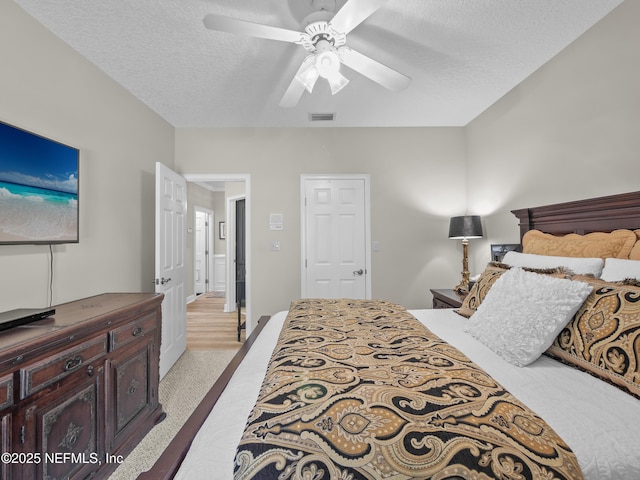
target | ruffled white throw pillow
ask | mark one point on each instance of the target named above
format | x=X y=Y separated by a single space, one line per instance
x=524 y=312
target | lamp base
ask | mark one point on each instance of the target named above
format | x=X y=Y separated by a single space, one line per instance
x=463 y=287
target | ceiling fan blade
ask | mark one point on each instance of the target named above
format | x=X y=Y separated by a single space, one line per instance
x=233 y=25
x=293 y=94
x=297 y=87
x=376 y=71
x=353 y=13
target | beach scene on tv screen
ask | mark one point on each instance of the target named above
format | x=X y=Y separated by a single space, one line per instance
x=38 y=188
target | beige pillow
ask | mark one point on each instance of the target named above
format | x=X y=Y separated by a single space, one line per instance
x=617 y=244
x=635 y=251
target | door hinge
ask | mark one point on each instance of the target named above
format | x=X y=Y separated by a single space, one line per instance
x=22 y=434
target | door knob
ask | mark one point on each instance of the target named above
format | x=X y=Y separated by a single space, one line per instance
x=165 y=280
x=358 y=272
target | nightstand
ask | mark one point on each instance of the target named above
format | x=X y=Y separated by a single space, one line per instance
x=447 y=298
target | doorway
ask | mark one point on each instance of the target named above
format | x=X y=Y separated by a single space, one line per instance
x=236 y=182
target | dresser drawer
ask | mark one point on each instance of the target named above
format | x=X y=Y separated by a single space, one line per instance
x=41 y=374
x=6 y=391
x=437 y=303
x=133 y=331
x=447 y=298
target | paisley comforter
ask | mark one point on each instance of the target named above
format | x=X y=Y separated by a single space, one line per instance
x=360 y=389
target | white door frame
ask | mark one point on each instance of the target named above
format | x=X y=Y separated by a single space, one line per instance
x=367 y=229
x=210 y=246
x=235 y=177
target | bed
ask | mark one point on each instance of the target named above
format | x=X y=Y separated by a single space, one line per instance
x=589 y=407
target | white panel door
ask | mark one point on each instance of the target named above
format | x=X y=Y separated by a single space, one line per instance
x=335 y=249
x=201 y=252
x=171 y=210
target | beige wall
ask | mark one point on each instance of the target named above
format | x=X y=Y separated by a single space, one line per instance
x=417 y=182
x=570 y=131
x=47 y=88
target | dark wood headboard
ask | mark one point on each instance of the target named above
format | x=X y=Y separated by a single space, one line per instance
x=602 y=214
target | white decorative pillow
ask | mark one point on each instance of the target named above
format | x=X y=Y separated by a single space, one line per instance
x=524 y=312
x=618 y=269
x=578 y=265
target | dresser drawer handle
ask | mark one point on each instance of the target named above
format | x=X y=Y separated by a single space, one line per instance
x=72 y=363
x=137 y=332
x=132 y=388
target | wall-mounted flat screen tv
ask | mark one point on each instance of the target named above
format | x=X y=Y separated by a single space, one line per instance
x=38 y=189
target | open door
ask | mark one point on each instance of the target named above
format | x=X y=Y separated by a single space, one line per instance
x=241 y=262
x=171 y=211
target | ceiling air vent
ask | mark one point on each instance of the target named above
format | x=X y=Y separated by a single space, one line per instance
x=322 y=117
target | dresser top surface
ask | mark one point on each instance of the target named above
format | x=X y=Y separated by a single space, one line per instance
x=70 y=316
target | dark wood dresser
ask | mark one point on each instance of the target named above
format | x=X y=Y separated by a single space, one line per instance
x=79 y=390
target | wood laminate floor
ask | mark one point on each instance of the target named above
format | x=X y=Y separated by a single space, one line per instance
x=209 y=327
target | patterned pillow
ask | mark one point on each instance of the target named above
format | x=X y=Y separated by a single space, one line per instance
x=617 y=244
x=491 y=273
x=603 y=338
x=480 y=289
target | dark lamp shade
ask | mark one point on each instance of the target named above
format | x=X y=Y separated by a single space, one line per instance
x=467 y=226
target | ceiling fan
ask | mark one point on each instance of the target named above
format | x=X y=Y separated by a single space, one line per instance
x=324 y=37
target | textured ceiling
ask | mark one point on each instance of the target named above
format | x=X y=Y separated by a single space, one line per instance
x=462 y=56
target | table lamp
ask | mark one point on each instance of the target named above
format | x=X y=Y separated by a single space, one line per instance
x=465 y=227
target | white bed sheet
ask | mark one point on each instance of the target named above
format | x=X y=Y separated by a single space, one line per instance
x=607 y=446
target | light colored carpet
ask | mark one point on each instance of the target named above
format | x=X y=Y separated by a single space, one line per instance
x=180 y=391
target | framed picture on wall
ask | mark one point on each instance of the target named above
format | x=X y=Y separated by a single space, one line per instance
x=499 y=250
x=222 y=230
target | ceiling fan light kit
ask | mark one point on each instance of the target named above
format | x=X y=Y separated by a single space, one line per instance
x=324 y=37
x=308 y=73
x=324 y=63
x=337 y=82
